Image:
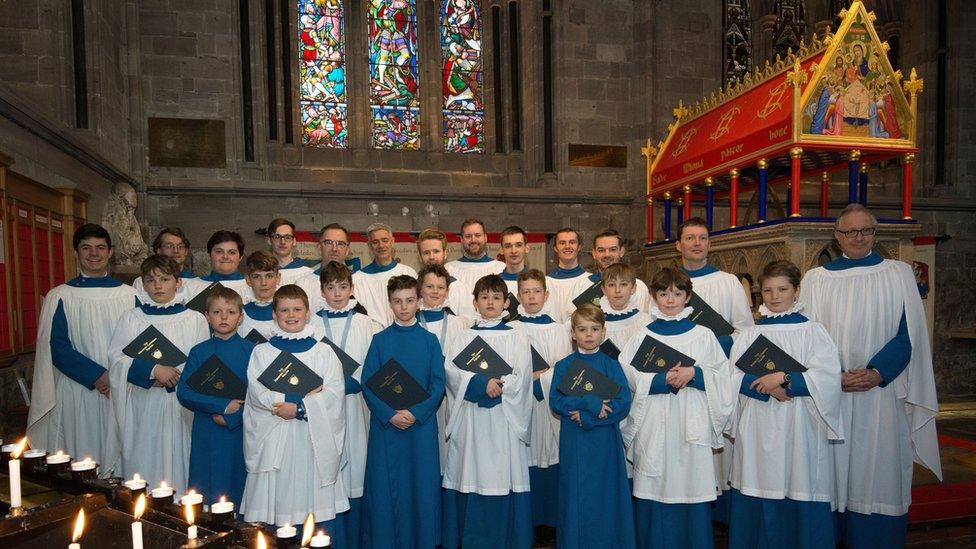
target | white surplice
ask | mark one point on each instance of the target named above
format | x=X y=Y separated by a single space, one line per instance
x=466 y=275
x=370 y=290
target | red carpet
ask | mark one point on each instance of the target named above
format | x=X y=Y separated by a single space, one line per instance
x=945 y=501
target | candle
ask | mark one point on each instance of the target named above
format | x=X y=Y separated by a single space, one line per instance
x=137 y=524
x=79 y=528
x=308 y=529
x=136 y=484
x=58 y=463
x=261 y=543
x=86 y=469
x=286 y=532
x=162 y=494
x=194 y=499
x=223 y=509
x=13 y=467
x=320 y=540
x=191 y=531
x=34 y=458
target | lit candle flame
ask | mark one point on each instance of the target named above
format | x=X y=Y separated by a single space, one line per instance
x=261 y=543
x=189 y=513
x=19 y=449
x=223 y=499
x=163 y=485
x=140 y=506
x=136 y=477
x=59 y=454
x=308 y=529
x=79 y=526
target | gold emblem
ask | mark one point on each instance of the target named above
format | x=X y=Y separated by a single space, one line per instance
x=588 y=386
x=157 y=354
x=483 y=365
x=219 y=385
x=725 y=123
x=770 y=365
x=293 y=380
x=660 y=363
x=685 y=140
x=398 y=388
x=774 y=102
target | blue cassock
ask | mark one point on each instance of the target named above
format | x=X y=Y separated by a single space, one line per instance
x=595 y=507
x=402 y=494
x=216 y=452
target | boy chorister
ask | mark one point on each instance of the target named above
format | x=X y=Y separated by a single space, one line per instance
x=432 y=248
x=403 y=498
x=678 y=416
x=292 y=441
x=439 y=319
x=70 y=406
x=785 y=423
x=226 y=249
x=263 y=278
x=217 y=439
x=551 y=342
x=595 y=508
x=623 y=317
x=351 y=332
x=486 y=480
x=154 y=428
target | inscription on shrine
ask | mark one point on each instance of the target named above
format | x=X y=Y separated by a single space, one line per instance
x=187 y=143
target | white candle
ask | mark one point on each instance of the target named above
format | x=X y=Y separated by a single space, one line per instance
x=135 y=483
x=221 y=507
x=74 y=546
x=163 y=491
x=191 y=532
x=191 y=498
x=78 y=530
x=13 y=467
x=137 y=524
x=58 y=458
x=320 y=540
x=286 y=531
x=86 y=464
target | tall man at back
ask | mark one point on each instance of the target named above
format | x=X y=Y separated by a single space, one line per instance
x=872 y=310
x=562 y=280
x=472 y=265
x=370 y=281
x=70 y=408
x=608 y=248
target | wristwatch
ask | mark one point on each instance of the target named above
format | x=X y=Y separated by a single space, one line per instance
x=786 y=381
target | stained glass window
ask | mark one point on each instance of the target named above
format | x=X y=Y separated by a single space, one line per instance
x=322 y=62
x=738 y=40
x=464 y=110
x=393 y=77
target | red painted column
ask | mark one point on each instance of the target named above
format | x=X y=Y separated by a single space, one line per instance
x=795 y=154
x=906 y=185
x=687 y=189
x=825 y=194
x=733 y=198
x=650 y=220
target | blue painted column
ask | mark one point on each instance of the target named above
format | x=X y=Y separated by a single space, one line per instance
x=863 y=186
x=709 y=201
x=681 y=210
x=763 y=165
x=667 y=216
x=853 y=166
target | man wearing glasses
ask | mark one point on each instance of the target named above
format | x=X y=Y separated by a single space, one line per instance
x=173 y=243
x=281 y=238
x=872 y=309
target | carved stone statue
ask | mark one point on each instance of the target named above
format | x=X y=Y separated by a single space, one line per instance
x=120 y=220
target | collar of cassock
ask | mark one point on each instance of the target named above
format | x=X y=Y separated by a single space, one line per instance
x=706 y=270
x=792 y=318
x=483 y=259
x=613 y=315
x=493 y=324
x=844 y=262
x=187 y=273
x=511 y=277
x=766 y=313
x=560 y=273
x=82 y=281
x=293 y=264
x=671 y=327
x=214 y=276
x=171 y=307
x=432 y=315
x=376 y=268
x=306 y=332
x=259 y=311
x=537 y=318
x=325 y=310
x=656 y=313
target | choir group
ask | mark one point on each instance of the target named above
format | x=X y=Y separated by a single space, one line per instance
x=483 y=404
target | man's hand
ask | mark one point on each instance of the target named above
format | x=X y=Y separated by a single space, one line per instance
x=102 y=384
x=167 y=376
x=779 y=394
x=768 y=383
x=679 y=376
x=859 y=381
x=494 y=388
x=284 y=410
x=233 y=407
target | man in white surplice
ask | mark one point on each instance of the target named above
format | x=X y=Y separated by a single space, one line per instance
x=872 y=310
x=370 y=281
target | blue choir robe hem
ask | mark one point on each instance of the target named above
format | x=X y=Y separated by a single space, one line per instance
x=545 y=494
x=772 y=523
x=673 y=524
x=858 y=530
x=474 y=521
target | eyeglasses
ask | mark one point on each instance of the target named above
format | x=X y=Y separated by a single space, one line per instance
x=283 y=237
x=333 y=243
x=867 y=231
x=173 y=247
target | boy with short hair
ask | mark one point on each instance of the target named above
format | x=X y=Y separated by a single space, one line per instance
x=608 y=249
x=226 y=249
x=293 y=442
x=217 y=439
x=263 y=278
x=562 y=280
x=173 y=243
x=440 y=320
x=515 y=248
x=282 y=240
x=432 y=247
x=403 y=510
x=154 y=428
x=551 y=340
x=338 y=322
x=623 y=318
x=486 y=501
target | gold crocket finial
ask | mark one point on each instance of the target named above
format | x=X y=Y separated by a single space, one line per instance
x=915 y=85
x=649 y=150
x=796 y=77
x=680 y=111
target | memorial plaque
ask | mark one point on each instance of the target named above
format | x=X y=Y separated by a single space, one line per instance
x=598 y=156
x=187 y=143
